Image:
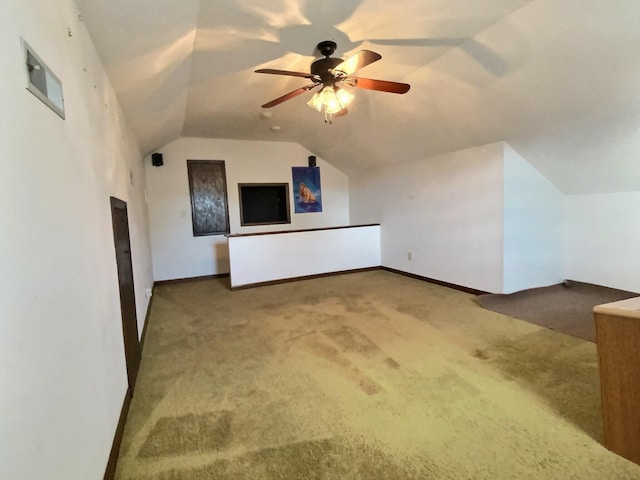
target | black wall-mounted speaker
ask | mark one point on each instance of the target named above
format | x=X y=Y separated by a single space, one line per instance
x=156 y=159
x=312 y=160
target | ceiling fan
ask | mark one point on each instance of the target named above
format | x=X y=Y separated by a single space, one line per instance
x=332 y=73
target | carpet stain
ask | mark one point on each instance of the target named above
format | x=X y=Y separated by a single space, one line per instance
x=448 y=387
x=481 y=354
x=391 y=363
x=353 y=340
x=367 y=385
x=418 y=311
x=298 y=460
x=330 y=353
x=329 y=459
x=190 y=433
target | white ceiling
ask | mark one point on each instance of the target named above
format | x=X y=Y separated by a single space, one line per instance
x=559 y=80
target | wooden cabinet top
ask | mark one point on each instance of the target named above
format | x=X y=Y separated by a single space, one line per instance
x=624 y=308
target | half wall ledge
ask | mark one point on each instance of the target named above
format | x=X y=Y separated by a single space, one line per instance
x=262 y=258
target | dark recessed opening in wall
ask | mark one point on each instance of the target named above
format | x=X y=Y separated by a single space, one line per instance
x=264 y=203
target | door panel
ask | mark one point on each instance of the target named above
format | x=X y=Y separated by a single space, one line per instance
x=127 y=294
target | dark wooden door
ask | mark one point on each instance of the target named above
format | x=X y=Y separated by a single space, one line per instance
x=209 y=205
x=127 y=294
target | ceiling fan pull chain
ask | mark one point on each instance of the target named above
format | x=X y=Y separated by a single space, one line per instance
x=327 y=116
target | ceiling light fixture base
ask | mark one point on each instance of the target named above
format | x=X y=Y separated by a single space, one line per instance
x=327 y=48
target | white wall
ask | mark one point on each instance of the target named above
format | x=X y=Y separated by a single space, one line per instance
x=265 y=258
x=62 y=368
x=176 y=252
x=603 y=239
x=446 y=211
x=533 y=226
x=485 y=218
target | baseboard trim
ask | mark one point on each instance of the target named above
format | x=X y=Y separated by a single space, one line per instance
x=461 y=288
x=305 y=277
x=110 y=470
x=441 y=283
x=146 y=319
x=190 y=279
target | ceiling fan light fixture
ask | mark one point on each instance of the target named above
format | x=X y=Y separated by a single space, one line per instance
x=331 y=99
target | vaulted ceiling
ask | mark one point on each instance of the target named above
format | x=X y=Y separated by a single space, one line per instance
x=559 y=80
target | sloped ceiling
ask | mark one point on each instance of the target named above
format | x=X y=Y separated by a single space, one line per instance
x=559 y=80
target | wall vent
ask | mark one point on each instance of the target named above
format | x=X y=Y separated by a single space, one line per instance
x=42 y=82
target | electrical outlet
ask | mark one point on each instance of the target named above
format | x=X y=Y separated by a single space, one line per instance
x=409 y=256
x=147 y=293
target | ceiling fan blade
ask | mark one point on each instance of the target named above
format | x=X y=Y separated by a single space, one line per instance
x=288 y=96
x=285 y=72
x=359 y=60
x=380 y=85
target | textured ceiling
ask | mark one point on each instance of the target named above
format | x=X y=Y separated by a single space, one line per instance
x=559 y=80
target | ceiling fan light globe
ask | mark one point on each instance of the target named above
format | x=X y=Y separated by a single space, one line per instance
x=329 y=96
x=316 y=101
x=332 y=101
x=345 y=98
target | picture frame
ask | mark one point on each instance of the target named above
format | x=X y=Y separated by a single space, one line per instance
x=307 y=191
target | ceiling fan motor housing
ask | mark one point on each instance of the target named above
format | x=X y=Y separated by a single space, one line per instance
x=324 y=67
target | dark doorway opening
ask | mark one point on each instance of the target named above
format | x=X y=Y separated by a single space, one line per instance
x=127 y=293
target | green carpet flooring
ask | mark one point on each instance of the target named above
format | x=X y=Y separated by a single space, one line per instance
x=368 y=375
